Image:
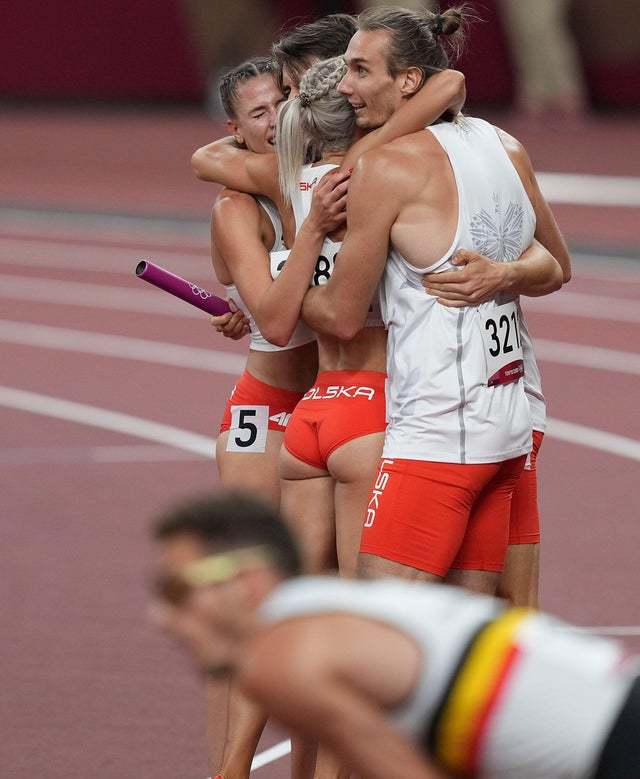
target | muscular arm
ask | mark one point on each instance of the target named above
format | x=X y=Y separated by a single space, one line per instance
x=535 y=273
x=274 y=303
x=547 y=230
x=223 y=162
x=442 y=92
x=296 y=675
x=339 y=308
x=543 y=268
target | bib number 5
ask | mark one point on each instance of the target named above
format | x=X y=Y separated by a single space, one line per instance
x=248 y=431
x=500 y=328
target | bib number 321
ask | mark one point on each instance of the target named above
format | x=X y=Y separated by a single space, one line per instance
x=500 y=327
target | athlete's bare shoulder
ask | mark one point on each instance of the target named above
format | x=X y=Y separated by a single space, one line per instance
x=517 y=153
x=231 y=207
x=402 y=165
x=230 y=201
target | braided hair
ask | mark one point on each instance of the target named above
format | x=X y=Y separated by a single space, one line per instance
x=320 y=118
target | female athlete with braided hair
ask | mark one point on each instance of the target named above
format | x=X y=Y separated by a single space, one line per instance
x=336 y=432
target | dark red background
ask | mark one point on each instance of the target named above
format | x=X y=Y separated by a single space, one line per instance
x=140 y=49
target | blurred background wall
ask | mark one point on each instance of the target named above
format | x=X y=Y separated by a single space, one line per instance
x=165 y=50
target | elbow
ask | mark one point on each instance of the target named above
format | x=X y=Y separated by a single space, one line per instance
x=198 y=164
x=276 y=338
x=558 y=279
x=275 y=333
x=566 y=275
x=345 y=330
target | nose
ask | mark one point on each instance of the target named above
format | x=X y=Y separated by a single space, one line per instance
x=344 y=87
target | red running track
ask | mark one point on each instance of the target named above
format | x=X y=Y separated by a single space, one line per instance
x=88 y=687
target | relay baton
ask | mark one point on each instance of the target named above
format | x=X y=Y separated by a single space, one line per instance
x=181 y=288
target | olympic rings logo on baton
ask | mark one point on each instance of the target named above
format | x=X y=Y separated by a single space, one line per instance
x=200 y=292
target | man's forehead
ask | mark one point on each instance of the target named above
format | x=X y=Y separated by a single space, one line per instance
x=367 y=46
x=177 y=551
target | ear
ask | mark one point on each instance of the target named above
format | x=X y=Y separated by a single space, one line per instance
x=233 y=129
x=413 y=80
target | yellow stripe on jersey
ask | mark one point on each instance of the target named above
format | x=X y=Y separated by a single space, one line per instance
x=474 y=691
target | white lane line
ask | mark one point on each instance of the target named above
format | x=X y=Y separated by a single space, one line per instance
x=92 y=258
x=607 y=630
x=128 y=453
x=582 y=304
x=591 y=190
x=145 y=301
x=75 y=293
x=122 y=347
x=94 y=416
x=586 y=356
x=270 y=755
x=593 y=438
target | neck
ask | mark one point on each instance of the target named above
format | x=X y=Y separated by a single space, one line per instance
x=332 y=156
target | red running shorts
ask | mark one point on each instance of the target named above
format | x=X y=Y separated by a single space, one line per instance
x=436 y=516
x=341 y=406
x=253 y=408
x=524 y=525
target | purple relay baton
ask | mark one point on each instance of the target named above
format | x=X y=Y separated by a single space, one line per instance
x=181 y=288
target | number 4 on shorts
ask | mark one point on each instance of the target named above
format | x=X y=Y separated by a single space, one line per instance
x=248 y=431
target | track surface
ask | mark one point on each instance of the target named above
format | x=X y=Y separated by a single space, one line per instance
x=88 y=687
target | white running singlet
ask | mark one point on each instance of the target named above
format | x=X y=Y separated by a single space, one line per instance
x=302 y=334
x=309 y=176
x=456 y=392
x=560 y=691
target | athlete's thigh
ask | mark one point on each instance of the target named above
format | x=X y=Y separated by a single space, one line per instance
x=255 y=472
x=418 y=511
x=485 y=542
x=353 y=466
x=370 y=566
x=307 y=506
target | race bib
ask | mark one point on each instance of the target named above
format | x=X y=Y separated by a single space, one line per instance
x=324 y=264
x=500 y=328
x=248 y=431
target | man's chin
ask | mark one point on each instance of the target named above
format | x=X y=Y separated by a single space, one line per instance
x=365 y=123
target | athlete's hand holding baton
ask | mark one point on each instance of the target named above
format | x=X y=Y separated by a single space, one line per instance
x=227 y=321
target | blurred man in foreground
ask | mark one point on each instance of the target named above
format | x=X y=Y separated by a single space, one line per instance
x=399 y=679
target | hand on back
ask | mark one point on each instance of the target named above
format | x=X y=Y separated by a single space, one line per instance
x=478 y=280
x=329 y=202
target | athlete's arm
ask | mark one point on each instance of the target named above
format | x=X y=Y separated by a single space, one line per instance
x=535 y=273
x=445 y=91
x=303 y=680
x=547 y=230
x=339 y=308
x=275 y=304
x=224 y=162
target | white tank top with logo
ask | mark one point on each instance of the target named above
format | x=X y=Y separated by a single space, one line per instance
x=302 y=334
x=557 y=704
x=456 y=391
x=309 y=176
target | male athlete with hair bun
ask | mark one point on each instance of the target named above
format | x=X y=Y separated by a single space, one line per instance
x=460 y=426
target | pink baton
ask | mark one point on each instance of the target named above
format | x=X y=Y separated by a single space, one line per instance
x=181 y=288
